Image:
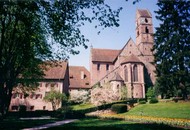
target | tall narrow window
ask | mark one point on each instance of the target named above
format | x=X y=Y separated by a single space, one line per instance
x=126 y=74
x=107 y=66
x=98 y=66
x=135 y=73
x=146 y=30
x=146 y=20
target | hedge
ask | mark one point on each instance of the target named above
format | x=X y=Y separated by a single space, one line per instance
x=119 y=108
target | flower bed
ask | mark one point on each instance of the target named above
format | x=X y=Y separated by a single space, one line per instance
x=144 y=119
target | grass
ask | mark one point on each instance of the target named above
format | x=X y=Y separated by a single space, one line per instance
x=17 y=124
x=82 y=106
x=100 y=124
x=162 y=109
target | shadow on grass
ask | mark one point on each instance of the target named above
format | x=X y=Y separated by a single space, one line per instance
x=98 y=124
x=17 y=124
x=83 y=124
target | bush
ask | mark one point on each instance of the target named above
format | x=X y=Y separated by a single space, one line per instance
x=153 y=100
x=119 y=108
x=142 y=102
x=61 y=112
x=22 y=110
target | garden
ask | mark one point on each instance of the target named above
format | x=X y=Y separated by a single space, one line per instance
x=117 y=116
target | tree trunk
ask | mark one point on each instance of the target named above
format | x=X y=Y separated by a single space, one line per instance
x=184 y=93
x=53 y=105
x=5 y=98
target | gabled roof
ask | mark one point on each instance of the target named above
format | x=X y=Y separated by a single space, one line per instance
x=56 y=70
x=131 y=59
x=76 y=81
x=104 y=55
x=144 y=13
x=116 y=77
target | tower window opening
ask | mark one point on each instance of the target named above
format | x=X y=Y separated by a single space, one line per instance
x=146 y=30
x=137 y=33
x=146 y=20
x=107 y=66
x=98 y=66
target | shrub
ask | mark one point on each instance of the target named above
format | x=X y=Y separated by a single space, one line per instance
x=142 y=102
x=153 y=100
x=61 y=112
x=22 y=110
x=119 y=108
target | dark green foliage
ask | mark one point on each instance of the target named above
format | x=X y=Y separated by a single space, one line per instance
x=153 y=100
x=142 y=101
x=150 y=93
x=119 y=108
x=22 y=110
x=172 y=57
x=61 y=112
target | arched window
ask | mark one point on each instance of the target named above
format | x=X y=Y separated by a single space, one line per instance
x=126 y=74
x=146 y=20
x=135 y=73
x=146 y=30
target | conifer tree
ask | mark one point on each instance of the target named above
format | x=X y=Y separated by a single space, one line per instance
x=172 y=47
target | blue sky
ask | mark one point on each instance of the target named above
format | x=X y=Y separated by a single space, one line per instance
x=113 y=38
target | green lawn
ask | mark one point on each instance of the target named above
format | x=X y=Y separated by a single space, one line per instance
x=17 y=124
x=100 y=124
x=162 y=109
x=82 y=106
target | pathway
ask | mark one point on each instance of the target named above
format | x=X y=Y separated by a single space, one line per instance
x=58 y=123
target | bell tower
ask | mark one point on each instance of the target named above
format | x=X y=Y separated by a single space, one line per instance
x=144 y=32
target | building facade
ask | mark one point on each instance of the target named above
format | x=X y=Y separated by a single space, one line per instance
x=79 y=84
x=56 y=77
x=130 y=67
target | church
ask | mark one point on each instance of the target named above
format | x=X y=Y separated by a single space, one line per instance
x=131 y=66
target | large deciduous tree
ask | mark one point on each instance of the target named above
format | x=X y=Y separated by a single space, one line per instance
x=32 y=31
x=172 y=45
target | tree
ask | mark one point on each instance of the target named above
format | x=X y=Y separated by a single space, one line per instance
x=150 y=93
x=55 y=97
x=171 y=48
x=33 y=31
x=79 y=96
x=124 y=92
x=103 y=95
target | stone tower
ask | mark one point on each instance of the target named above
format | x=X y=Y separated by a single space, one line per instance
x=144 y=33
x=145 y=41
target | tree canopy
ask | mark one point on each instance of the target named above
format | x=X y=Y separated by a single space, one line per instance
x=172 y=45
x=33 y=31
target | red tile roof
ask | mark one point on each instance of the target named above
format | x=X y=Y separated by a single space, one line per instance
x=75 y=77
x=144 y=13
x=104 y=55
x=56 y=71
x=131 y=59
